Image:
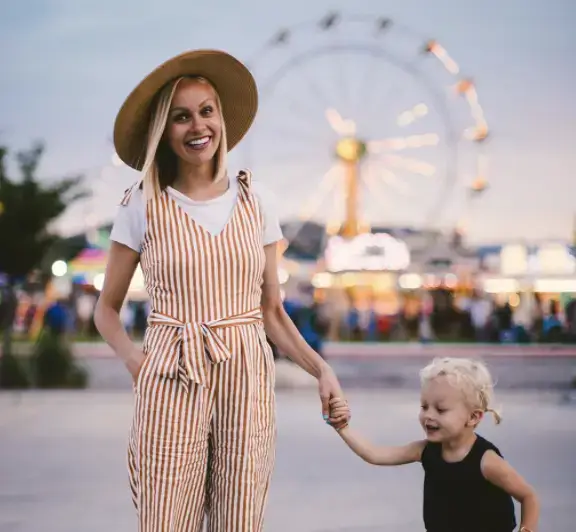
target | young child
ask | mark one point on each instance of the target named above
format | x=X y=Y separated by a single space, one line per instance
x=468 y=486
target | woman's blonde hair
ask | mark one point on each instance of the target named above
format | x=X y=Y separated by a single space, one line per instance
x=469 y=376
x=160 y=164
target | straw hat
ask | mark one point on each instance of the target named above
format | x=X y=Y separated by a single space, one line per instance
x=231 y=79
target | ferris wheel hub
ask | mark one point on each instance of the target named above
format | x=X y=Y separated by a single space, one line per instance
x=350 y=149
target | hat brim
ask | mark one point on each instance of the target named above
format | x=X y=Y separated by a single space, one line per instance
x=233 y=82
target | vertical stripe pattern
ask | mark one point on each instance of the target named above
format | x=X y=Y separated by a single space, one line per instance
x=201 y=444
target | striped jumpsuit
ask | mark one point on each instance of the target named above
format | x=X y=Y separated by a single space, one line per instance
x=203 y=433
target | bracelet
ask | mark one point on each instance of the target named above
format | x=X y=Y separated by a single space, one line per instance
x=524 y=529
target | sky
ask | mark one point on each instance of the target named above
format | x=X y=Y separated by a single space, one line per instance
x=67 y=66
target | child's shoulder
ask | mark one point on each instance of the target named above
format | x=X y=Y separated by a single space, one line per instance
x=482 y=445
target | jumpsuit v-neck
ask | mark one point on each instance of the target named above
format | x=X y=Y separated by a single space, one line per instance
x=203 y=433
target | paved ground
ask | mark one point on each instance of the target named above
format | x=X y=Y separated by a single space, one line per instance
x=390 y=372
x=363 y=350
x=389 y=365
x=62 y=462
x=355 y=350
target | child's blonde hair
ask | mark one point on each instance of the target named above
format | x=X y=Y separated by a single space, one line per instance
x=470 y=376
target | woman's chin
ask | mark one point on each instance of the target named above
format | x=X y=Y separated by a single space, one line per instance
x=190 y=158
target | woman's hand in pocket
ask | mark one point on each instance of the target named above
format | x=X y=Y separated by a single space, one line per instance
x=134 y=362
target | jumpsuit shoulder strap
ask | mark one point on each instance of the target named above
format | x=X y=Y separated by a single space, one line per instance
x=129 y=191
x=245 y=179
x=249 y=200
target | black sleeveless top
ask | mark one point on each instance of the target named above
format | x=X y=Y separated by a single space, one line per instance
x=457 y=497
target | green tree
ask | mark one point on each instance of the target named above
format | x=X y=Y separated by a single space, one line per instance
x=28 y=206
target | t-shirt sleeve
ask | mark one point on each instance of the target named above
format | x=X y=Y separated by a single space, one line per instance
x=269 y=209
x=130 y=223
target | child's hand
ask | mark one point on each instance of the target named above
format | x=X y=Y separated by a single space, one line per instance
x=339 y=413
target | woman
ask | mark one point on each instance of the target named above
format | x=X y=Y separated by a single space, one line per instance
x=203 y=433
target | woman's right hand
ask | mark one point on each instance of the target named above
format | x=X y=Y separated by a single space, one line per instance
x=134 y=362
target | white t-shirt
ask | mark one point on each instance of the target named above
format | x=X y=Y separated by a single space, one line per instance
x=130 y=224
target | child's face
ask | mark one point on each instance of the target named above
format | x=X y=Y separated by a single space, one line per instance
x=444 y=414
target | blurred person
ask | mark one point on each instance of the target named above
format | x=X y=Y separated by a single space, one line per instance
x=425 y=332
x=352 y=324
x=522 y=317
x=537 y=317
x=56 y=318
x=85 y=312
x=313 y=326
x=505 y=323
x=468 y=486
x=552 y=325
x=480 y=311
x=30 y=315
x=570 y=312
x=203 y=432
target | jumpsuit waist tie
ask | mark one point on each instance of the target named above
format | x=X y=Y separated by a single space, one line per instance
x=199 y=345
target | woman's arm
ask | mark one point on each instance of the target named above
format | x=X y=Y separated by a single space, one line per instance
x=500 y=473
x=122 y=262
x=279 y=327
x=282 y=331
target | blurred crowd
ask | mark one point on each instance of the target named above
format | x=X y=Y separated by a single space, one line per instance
x=475 y=319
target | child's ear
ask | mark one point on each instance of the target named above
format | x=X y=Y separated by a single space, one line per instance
x=475 y=418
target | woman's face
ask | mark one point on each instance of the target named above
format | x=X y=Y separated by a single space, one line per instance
x=194 y=125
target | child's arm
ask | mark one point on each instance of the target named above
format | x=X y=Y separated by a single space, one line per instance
x=384 y=456
x=496 y=470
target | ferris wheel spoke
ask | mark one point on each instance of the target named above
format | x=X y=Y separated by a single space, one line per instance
x=334 y=223
x=315 y=202
x=290 y=133
x=414 y=166
x=342 y=82
x=367 y=85
x=306 y=106
x=372 y=186
x=386 y=94
x=340 y=125
x=408 y=117
x=329 y=181
x=386 y=176
x=315 y=92
x=403 y=143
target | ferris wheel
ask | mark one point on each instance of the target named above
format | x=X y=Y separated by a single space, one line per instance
x=363 y=122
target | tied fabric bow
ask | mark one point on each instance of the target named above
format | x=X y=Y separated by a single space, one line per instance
x=199 y=343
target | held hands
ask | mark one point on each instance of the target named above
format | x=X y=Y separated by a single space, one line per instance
x=330 y=389
x=340 y=413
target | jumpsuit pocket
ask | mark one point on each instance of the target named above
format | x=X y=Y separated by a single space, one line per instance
x=269 y=362
x=143 y=370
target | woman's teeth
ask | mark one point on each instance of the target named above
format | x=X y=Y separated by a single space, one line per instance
x=197 y=144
